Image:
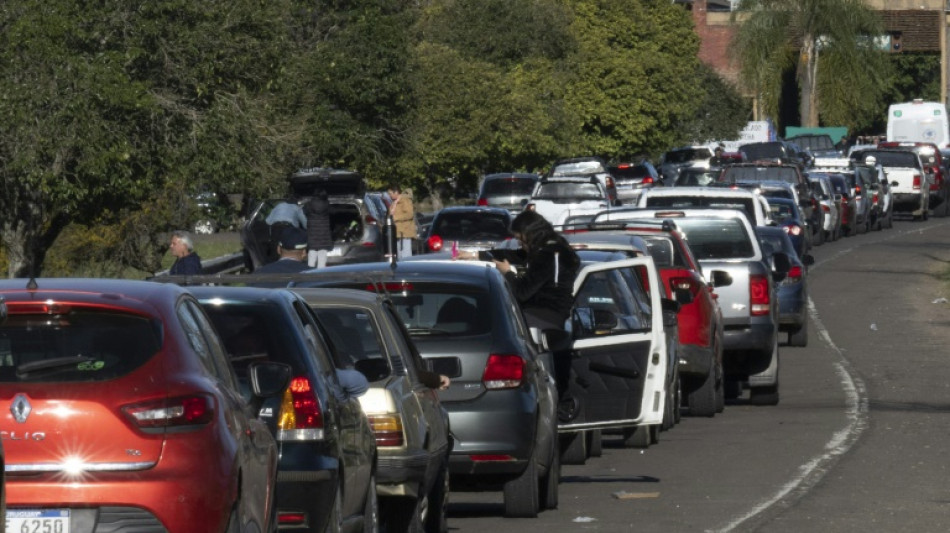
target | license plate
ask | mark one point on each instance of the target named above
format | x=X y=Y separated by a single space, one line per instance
x=336 y=252
x=37 y=520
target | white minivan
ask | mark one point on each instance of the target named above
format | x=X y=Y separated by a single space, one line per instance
x=918 y=121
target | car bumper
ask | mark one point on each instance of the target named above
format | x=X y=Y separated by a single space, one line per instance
x=401 y=474
x=307 y=480
x=759 y=335
x=793 y=307
x=908 y=202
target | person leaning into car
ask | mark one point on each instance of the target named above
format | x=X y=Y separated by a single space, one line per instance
x=544 y=284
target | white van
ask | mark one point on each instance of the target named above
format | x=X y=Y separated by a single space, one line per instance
x=918 y=121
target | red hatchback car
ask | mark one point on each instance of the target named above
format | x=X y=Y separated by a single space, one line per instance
x=119 y=411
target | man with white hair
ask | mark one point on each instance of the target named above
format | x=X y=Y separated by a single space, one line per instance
x=187 y=261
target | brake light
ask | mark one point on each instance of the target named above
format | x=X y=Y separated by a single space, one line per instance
x=291 y=518
x=793 y=229
x=759 y=303
x=391 y=286
x=482 y=202
x=434 y=243
x=484 y=458
x=171 y=412
x=387 y=428
x=874 y=198
x=370 y=219
x=916 y=182
x=300 y=417
x=794 y=273
x=648 y=180
x=503 y=372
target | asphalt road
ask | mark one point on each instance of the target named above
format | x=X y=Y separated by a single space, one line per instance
x=857 y=443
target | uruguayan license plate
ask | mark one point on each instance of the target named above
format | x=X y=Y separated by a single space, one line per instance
x=37 y=521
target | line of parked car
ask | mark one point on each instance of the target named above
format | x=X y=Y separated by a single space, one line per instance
x=360 y=396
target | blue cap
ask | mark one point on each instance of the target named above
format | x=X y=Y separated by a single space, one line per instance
x=292 y=238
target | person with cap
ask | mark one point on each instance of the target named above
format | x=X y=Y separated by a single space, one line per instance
x=716 y=159
x=292 y=249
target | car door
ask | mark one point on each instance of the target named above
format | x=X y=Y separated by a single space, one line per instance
x=619 y=360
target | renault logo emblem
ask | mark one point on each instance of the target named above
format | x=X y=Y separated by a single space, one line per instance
x=20 y=408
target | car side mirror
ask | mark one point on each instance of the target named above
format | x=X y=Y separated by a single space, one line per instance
x=720 y=278
x=683 y=296
x=670 y=309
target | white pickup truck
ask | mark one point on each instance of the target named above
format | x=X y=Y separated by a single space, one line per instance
x=909 y=180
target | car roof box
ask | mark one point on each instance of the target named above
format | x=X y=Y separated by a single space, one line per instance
x=337 y=182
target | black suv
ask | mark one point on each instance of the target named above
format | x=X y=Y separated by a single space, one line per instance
x=777 y=151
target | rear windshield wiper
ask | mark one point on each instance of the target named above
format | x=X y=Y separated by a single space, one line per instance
x=55 y=364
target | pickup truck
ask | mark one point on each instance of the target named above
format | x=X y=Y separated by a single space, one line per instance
x=724 y=242
x=910 y=181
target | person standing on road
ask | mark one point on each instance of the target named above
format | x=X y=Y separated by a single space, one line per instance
x=319 y=236
x=404 y=218
x=187 y=262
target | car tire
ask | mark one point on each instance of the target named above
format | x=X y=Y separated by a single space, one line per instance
x=550 y=483
x=702 y=401
x=573 y=447
x=799 y=337
x=437 y=510
x=522 y=498
x=637 y=437
x=371 y=508
x=595 y=443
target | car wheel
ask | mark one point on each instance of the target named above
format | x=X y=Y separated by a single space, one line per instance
x=522 y=498
x=595 y=443
x=549 y=483
x=371 y=508
x=637 y=437
x=437 y=510
x=573 y=448
x=799 y=337
x=702 y=401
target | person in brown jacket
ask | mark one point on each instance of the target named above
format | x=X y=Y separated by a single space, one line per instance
x=404 y=217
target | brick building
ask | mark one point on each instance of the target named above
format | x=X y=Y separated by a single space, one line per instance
x=910 y=25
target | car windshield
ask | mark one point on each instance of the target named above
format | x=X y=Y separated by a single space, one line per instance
x=511 y=186
x=757 y=151
x=437 y=309
x=814 y=142
x=470 y=225
x=569 y=191
x=79 y=345
x=664 y=251
x=695 y=177
x=717 y=238
x=579 y=167
x=752 y=173
x=685 y=156
x=782 y=212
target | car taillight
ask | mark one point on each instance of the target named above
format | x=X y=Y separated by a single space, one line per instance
x=609 y=181
x=370 y=219
x=387 y=428
x=916 y=182
x=503 y=372
x=171 y=412
x=300 y=417
x=434 y=243
x=793 y=229
x=291 y=518
x=482 y=202
x=648 y=180
x=794 y=274
x=857 y=191
x=759 y=296
x=826 y=208
x=874 y=198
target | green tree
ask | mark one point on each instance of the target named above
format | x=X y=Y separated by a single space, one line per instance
x=722 y=111
x=839 y=71
x=103 y=104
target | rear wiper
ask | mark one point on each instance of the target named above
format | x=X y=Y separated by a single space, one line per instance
x=55 y=364
x=428 y=331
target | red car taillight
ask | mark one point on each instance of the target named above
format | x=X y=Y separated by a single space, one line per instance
x=434 y=243
x=301 y=417
x=503 y=372
x=759 y=296
x=793 y=229
x=647 y=180
x=916 y=182
x=387 y=428
x=370 y=219
x=482 y=202
x=291 y=518
x=171 y=412
x=794 y=273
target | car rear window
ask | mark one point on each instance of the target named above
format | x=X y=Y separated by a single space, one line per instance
x=470 y=225
x=254 y=332
x=814 y=142
x=717 y=238
x=782 y=212
x=630 y=171
x=568 y=190
x=437 y=309
x=736 y=174
x=79 y=345
x=743 y=204
x=893 y=158
x=762 y=151
x=354 y=333
x=508 y=187
x=664 y=251
x=579 y=167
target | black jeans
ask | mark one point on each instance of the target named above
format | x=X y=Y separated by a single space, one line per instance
x=559 y=343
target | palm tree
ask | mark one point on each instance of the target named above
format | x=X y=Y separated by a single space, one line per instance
x=775 y=35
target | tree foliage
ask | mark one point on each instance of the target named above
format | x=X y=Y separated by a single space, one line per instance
x=841 y=74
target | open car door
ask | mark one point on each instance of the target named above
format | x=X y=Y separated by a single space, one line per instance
x=619 y=364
